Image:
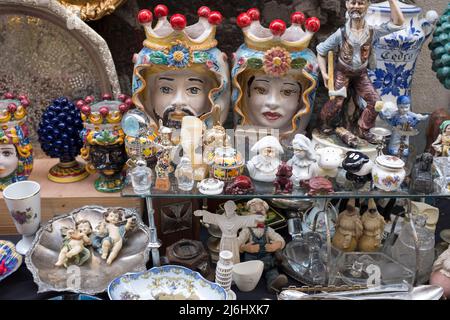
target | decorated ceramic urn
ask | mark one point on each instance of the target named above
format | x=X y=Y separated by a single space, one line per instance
x=274 y=74
x=103 y=139
x=396 y=53
x=180 y=72
x=16 y=152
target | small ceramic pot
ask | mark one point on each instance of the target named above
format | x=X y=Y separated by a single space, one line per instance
x=210 y=186
x=388 y=172
x=227 y=164
x=246 y=275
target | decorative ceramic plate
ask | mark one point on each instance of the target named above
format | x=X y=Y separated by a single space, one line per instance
x=10 y=260
x=165 y=283
x=95 y=274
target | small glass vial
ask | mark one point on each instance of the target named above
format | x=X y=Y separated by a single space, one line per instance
x=141 y=177
x=185 y=174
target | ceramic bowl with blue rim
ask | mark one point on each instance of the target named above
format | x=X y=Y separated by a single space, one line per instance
x=80 y=297
x=168 y=282
x=10 y=259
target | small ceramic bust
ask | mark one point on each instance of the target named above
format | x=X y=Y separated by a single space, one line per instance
x=304 y=162
x=74 y=249
x=442 y=143
x=348 y=228
x=263 y=167
x=16 y=152
x=180 y=71
x=274 y=74
x=104 y=139
x=110 y=233
x=373 y=224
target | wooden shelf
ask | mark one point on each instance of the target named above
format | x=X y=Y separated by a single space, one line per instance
x=59 y=198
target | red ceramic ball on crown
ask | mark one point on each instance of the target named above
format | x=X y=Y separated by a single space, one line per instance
x=79 y=104
x=254 y=14
x=123 y=108
x=107 y=96
x=9 y=95
x=178 y=21
x=203 y=12
x=312 y=24
x=215 y=17
x=243 y=20
x=122 y=97
x=278 y=27
x=298 y=18
x=12 y=107
x=86 y=110
x=104 y=111
x=161 y=11
x=89 y=99
x=145 y=16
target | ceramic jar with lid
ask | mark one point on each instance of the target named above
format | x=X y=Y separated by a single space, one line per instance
x=388 y=172
x=226 y=164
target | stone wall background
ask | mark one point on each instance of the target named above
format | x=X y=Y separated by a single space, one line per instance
x=124 y=35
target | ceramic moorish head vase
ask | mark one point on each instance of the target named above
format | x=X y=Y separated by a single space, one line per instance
x=275 y=74
x=103 y=140
x=16 y=152
x=180 y=71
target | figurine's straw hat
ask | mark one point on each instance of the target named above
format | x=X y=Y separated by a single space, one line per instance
x=372 y=205
x=14 y=130
x=102 y=120
x=276 y=51
x=172 y=45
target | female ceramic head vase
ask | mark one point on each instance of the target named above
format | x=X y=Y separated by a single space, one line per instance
x=16 y=152
x=180 y=71
x=275 y=74
x=103 y=139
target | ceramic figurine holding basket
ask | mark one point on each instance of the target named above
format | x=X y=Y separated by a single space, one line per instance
x=103 y=139
x=16 y=152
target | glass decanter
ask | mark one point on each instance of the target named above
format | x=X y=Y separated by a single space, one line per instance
x=141 y=177
x=404 y=250
x=185 y=174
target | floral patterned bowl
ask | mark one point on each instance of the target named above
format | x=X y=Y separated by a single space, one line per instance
x=10 y=260
x=165 y=283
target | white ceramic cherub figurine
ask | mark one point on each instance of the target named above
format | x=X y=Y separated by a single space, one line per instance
x=110 y=234
x=75 y=240
x=229 y=223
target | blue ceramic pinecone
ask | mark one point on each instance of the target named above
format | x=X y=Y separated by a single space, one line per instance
x=59 y=130
x=440 y=49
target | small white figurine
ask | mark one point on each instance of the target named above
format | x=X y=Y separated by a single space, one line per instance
x=329 y=160
x=303 y=163
x=229 y=223
x=264 y=166
x=73 y=249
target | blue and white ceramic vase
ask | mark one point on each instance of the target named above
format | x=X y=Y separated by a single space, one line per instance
x=396 y=53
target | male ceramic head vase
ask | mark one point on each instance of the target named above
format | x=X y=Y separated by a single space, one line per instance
x=16 y=152
x=180 y=71
x=103 y=139
x=274 y=74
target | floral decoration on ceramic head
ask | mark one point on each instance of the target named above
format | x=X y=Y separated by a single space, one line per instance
x=14 y=130
x=278 y=51
x=173 y=45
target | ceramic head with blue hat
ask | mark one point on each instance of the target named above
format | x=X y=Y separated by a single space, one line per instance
x=274 y=74
x=180 y=71
x=16 y=152
x=403 y=122
x=103 y=140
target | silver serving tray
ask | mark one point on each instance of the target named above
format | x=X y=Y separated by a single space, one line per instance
x=95 y=275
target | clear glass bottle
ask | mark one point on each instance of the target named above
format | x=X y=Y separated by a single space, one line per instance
x=404 y=251
x=185 y=174
x=141 y=177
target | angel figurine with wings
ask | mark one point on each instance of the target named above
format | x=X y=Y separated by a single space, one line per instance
x=73 y=250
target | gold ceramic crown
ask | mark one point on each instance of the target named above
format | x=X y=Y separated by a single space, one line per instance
x=13 y=111
x=294 y=38
x=198 y=37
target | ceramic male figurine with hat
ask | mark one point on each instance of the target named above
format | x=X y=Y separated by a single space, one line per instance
x=403 y=122
x=103 y=139
x=354 y=44
x=304 y=161
x=229 y=223
x=261 y=243
x=349 y=228
x=180 y=71
x=264 y=166
x=373 y=228
x=275 y=75
x=16 y=152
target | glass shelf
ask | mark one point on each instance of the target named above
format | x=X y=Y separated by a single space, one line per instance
x=266 y=191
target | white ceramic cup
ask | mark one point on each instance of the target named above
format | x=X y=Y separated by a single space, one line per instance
x=246 y=275
x=23 y=200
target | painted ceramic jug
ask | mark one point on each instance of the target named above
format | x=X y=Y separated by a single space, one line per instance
x=396 y=53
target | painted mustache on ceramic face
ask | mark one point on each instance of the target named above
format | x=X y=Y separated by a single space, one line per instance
x=173 y=116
